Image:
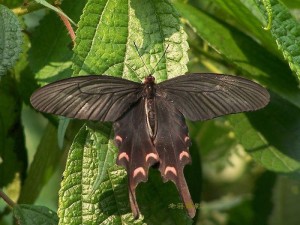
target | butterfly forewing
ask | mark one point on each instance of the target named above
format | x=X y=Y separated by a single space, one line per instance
x=205 y=96
x=101 y=98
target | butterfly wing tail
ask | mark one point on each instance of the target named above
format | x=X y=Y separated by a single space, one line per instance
x=172 y=143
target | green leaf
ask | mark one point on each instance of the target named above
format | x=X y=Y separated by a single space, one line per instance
x=249 y=19
x=50 y=54
x=10 y=39
x=286 y=31
x=34 y=215
x=61 y=130
x=105 y=45
x=55 y=9
x=13 y=156
x=107 y=155
x=269 y=135
x=90 y=151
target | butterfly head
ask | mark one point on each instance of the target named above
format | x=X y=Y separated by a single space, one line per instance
x=149 y=79
x=149 y=89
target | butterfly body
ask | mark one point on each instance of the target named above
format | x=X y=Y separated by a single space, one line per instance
x=149 y=92
x=149 y=118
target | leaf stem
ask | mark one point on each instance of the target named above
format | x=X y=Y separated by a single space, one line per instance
x=9 y=202
x=68 y=25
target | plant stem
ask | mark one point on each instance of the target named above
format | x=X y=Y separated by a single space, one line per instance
x=68 y=26
x=9 y=202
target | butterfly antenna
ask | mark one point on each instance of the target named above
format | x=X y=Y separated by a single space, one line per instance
x=132 y=70
x=154 y=69
x=141 y=57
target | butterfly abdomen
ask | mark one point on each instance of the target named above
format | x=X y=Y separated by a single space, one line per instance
x=151 y=117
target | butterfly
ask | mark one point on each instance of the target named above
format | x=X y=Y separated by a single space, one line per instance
x=149 y=118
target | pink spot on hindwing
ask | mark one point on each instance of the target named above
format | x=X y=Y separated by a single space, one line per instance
x=123 y=155
x=139 y=170
x=119 y=138
x=151 y=155
x=184 y=154
x=186 y=139
x=170 y=169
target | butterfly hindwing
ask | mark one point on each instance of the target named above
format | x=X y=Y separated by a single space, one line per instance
x=172 y=143
x=101 y=98
x=205 y=96
x=136 y=150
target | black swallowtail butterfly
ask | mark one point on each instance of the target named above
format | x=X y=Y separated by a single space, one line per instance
x=149 y=118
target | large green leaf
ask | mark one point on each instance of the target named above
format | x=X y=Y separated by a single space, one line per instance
x=105 y=45
x=285 y=29
x=10 y=39
x=89 y=151
x=248 y=17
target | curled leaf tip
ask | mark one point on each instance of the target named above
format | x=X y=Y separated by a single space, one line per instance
x=268 y=8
